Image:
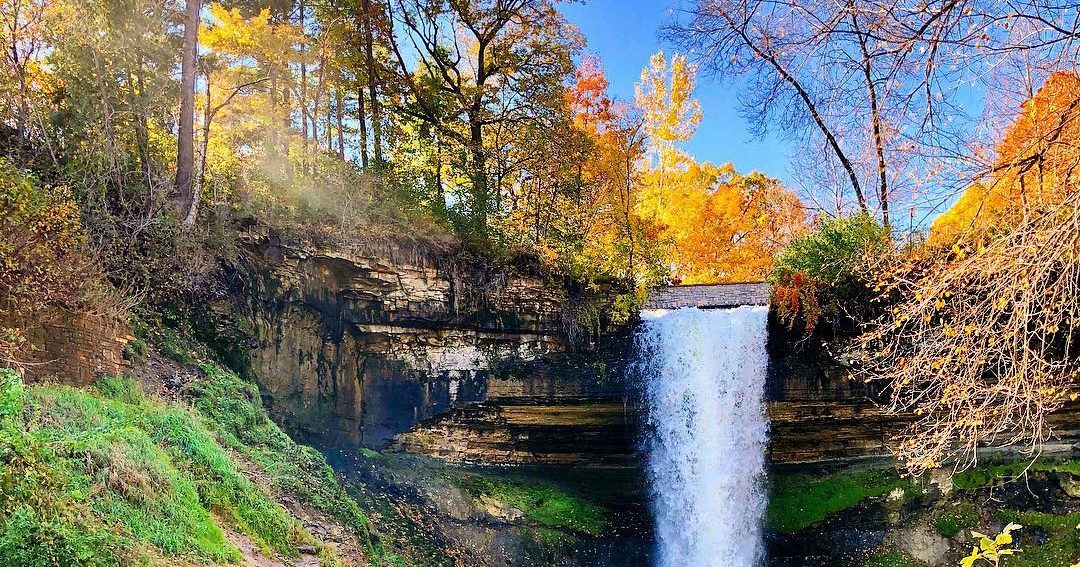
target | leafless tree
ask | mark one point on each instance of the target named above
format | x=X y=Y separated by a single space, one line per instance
x=888 y=89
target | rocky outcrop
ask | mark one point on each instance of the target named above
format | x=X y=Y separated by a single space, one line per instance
x=412 y=349
x=353 y=348
x=594 y=432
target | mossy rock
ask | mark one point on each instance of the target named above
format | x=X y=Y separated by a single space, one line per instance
x=797 y=501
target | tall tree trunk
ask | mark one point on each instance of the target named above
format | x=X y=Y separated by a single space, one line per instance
x=361 y=117
x=340 y=115
x=320 y=88
x=331 y=122
x=286 y=126
x=479 y=174
x=272 y=146
x=204 y=145
x=372 y=79
x=876 y=123
x=303 y=102
x=185 y=139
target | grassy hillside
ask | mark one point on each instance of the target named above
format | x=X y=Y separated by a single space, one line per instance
x=111 y=476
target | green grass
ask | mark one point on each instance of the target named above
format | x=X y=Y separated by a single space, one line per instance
x=1061 y=549
x=994 y=472
x=109 y=476
x=798 y=501
x=234 y=412
x=962 y=517
x=546 y=505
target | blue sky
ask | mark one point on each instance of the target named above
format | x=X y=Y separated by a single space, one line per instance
x=624 y=33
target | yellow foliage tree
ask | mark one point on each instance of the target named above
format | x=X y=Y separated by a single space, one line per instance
x=714 y=224
x=670 y=113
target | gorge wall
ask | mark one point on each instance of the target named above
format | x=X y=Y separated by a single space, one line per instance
x=354 y=348
x=412 y=349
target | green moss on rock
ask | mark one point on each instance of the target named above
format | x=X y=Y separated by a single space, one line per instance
x=544 y=504
x=797 y=501
x=1062 y=539
x=963 y=516
x=997 y=472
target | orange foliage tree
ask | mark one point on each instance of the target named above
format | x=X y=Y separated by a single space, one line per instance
x=1033 y=170
x=715 y=224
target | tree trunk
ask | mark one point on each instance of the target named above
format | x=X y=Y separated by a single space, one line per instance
x=303 y=89
x=372 y=79
x=272 y=156
x=479 y=175
x=204 y=145
x=320 y=88
x=185 y=140
x=340 y=115
x=286 y=126
x=361 y=117
x=876 y=120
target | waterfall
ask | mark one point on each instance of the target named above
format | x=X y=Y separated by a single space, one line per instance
x=703 y=376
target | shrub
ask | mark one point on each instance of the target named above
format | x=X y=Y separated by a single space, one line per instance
x=818 y=275
x=41 y=243
x=44 y=257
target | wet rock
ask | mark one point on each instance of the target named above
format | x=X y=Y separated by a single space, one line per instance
x=942 y=479
x=920 y=542
x=1070 y=484
x=500 y=511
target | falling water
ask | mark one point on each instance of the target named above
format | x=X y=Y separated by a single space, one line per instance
x=703 y=378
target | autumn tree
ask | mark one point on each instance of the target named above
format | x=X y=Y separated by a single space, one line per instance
x=114 y=135
x=881 y=87
x=471 y=70
x=714 y=224
x=670 y=113
x=24 y=37
x=1034 y=166
x=980 y=345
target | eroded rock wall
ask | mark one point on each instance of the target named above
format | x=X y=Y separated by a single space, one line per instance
x=353 y=348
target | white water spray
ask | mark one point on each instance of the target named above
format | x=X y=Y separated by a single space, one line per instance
x=704 y=376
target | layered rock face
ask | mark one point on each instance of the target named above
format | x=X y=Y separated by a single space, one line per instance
x=411 y=349
x=355 y=348
x=406 y=348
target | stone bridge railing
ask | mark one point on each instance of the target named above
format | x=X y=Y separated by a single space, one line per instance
x=708 y=296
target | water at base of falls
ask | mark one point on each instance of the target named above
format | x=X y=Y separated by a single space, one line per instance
x=703 y=374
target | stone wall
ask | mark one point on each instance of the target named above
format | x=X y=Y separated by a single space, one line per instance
x=74 y=348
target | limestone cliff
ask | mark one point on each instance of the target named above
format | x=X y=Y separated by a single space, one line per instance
x=353 y=348
x=405 y=347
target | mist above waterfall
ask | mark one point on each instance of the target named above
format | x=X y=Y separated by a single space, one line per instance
x=703 y=375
